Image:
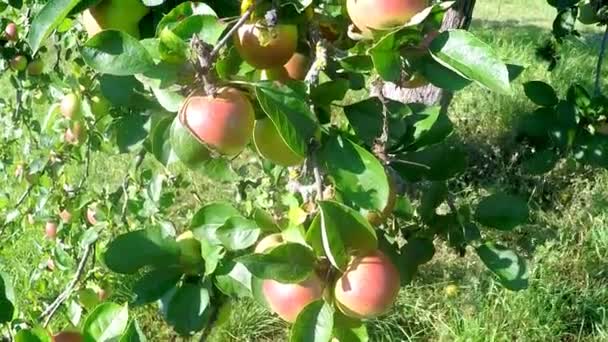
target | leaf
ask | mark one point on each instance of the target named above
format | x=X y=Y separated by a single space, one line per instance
x=209 y=218
x=237 y=233
x=512 y=270
x=116 y=53
x=541 y=93
x=338 y=230
x=418 y=250
x=286 y=263
x=386 y=58
x=234 y=280
x=133 y=333
x=365 y=117
x=289 y=113
x=348 y=329
x=431 y=199
x=184 y=12
x=7 y=299
x=187 y=308
x=36 y=334
x=358 y=175
x=434 y=163
x=314 y=323
x=51 y=15
x=502 y=211
x=462 y=52
x=147 y=247
x=106 y=323
x=154 y=284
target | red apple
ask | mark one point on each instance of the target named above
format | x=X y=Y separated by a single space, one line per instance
x=368 y=287
x=297 y=67
x=11 y=32
x=266 y=48
x=51 y=230
x=382 y=14
x=68 y=336
x=287 y=300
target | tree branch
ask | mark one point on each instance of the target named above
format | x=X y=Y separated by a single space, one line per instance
x=48 y=314
x=600 y=61
x=242 y=20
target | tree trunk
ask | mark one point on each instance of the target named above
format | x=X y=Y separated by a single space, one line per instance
x=459 y=16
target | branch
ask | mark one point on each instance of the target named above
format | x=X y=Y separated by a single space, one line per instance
x=598 y=70
x=52 y=309
x=381 y=145
x=242 y=20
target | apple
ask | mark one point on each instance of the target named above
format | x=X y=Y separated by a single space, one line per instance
x=264 y=47
x=190 y=251
x=11 y=32
x=275 y=74
x=122 y=15
x=271 y=145
x=70 y=106
x=67 y=336
x=382 y=14
x=35 y=68
x=18 y=63
x=287 y=300
x=223 y=122
x=269 y=242
x=76 y=134
x=50 y=230
x=368 y=287
x=65 y=216
x=92 y=215
x=102 y=294
x=297 y=67
x=100 y=106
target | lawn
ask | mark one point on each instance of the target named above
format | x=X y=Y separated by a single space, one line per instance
x=566 y=240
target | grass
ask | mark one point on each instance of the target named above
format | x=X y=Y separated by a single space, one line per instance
x=566 y=240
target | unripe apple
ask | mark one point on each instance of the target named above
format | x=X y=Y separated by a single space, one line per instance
x=76 y=134
x=266 y=48
x=223 y=122
x=287 y=300
x=368 y=287
x=190 y=250
x=382 y=14
x=35 y=68
x=18 y=63
x=65 y=216
x=271 y=145
x=67 y=336
x=100 y=106
x=186 y=147
x=50 y=230
x=297 y=67
x=269 y=242
x=70 y=106
x=11 y=32
x=123 y=15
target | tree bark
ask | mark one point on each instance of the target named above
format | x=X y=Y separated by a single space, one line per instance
x=459 y=16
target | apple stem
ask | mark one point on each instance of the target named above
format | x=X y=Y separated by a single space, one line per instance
x=54 y=306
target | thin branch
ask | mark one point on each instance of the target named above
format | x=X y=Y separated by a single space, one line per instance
x=600 y=61
x=381 y=148
x=48 y=314
x=242 y=20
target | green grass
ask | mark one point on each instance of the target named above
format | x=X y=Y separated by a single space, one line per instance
x=566 y=240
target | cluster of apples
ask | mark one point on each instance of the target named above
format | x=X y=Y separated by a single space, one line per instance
x=19 y=62
x=367 y=288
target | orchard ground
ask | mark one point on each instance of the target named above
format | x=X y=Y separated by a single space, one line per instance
x=566 y=240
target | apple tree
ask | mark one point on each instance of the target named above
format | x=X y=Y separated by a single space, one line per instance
x=335 y=194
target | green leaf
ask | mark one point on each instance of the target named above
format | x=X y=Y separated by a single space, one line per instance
x=541 y=93
x=209 y=218
x=53 y=13
x=434 y=163
x=502 y=211
x=290 y=114
x=237 y=233
x=7 y=299
x=116 y=53
x=418 y=250
x=511 y=269
x=36 y=334
x=183 y=12
x=314 y=323
x=366 y=119
x=133 y=333
x=462 y=52
x=338 y=230
x=286 y=263
x=208 y=28
x=386 y=58
x=147 y=247
x=234 y=279
x=348 y=329
x=187 y=308
x=154 y=284
x=428 y=126
x=431 y=199
x=359 y=177
x=541 y=162
x=106 y=323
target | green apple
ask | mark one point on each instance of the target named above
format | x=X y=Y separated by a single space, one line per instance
x=35 y=68
x=18 y=63
x=123 y=15
x=100 y=106
x=190 y=250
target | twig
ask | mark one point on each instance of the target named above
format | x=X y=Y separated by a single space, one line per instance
x=316 y=170
x=242 y=20
x=52 y=309
x=600 y=61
